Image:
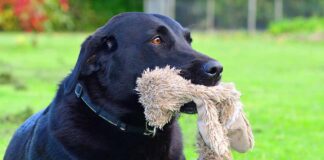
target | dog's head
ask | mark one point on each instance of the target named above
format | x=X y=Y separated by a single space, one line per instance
x=118 y=52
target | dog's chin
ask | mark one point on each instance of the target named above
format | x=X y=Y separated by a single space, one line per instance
x=191 y=108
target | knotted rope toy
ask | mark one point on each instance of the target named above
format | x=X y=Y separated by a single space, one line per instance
x=221 y=121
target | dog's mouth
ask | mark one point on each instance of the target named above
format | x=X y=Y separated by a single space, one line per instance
x=191 y=108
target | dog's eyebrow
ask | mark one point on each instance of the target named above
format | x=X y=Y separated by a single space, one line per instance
x=162 y=30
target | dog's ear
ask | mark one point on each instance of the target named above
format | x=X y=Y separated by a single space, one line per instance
x=90 y=65
x=111 y=43
x=84 y=65
x=87 y=62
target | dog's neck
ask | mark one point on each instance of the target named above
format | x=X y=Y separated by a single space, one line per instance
x=128 y=111
x=75 y=118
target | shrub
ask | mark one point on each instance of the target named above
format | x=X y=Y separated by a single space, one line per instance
x=90 y=14
x=8 y=20
x=59 y=18
x=297 y=25
x=34 y=15
x=61 y=15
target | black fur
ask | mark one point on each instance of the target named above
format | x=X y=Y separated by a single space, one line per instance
x=110 y=60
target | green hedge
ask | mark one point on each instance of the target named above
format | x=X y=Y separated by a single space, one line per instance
x=90 y=14
x=297 y=25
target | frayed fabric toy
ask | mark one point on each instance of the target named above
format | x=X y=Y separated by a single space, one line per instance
x=221 y=121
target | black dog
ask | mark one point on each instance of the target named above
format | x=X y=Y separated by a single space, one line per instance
x=96 y=114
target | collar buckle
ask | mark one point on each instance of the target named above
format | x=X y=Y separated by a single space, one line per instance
x=121 y=126
x=78 y=90
x=149 y=130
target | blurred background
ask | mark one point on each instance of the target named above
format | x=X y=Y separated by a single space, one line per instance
x=272 y=49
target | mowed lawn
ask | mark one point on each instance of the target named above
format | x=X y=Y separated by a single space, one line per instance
x=282 y=82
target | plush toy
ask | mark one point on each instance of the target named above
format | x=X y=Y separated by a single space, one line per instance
x=221 y=121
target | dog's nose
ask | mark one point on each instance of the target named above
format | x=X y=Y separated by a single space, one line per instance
x=212 y=68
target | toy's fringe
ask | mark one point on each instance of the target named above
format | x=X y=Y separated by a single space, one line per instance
x=163 y=91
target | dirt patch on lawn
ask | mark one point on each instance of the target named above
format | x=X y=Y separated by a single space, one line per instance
x=9 y=79
x=18 y=117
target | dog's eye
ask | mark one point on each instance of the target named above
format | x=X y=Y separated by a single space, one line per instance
x=156 y=40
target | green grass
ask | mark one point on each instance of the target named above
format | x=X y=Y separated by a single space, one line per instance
x=281 y=81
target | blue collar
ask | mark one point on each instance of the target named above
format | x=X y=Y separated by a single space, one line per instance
x=81 y=93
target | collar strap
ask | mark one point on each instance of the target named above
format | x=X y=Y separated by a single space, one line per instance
x=81 y=93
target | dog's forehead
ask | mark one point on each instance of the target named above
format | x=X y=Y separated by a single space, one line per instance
x=139 y=22
x=174 y=25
